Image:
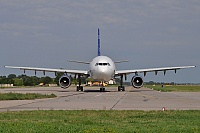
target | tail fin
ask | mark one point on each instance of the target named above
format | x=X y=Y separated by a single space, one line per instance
x=99 y=51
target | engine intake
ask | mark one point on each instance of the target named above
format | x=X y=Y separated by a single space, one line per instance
x=65 y=81
x=137 y=81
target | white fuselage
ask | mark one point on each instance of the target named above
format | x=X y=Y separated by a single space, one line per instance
x=102 y=68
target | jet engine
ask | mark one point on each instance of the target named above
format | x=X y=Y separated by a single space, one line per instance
x=65 y=81
x=137 y=81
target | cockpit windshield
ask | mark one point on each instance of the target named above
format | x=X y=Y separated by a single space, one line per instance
x=102 y=64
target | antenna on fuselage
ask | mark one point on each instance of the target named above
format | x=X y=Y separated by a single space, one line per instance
x=99 y=51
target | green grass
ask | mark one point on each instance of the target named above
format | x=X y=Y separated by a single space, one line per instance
x=86 y=121
x=177 y=88
x=27 y=96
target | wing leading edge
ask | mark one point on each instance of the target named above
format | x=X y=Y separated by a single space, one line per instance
x=122 y=72
x=81 y=72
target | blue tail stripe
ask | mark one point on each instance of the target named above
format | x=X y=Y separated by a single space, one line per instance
x=99 y=51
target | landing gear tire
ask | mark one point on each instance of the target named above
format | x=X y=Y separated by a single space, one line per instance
x=121 y=88
x=79 y=88
x=102 y=89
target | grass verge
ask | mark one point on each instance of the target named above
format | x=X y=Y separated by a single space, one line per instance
x=177 y=88
x=87 y=121
x=27 y=96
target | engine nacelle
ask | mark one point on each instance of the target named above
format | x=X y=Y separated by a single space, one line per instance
x=137 y=81
x=65 y=81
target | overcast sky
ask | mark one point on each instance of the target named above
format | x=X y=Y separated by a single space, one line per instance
x=149 y=33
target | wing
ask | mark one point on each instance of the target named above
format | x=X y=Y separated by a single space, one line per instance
x=81 y=72
x=124 y=72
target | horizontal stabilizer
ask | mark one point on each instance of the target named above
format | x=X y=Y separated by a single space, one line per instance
x=121 y=61
x=82 y=62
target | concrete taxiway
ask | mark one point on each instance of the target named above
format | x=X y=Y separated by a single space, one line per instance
x=93 y=99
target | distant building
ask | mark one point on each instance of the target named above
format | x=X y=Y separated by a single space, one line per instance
x=111 y=82
x=90 y=83
x=52 y=85
x=6 y=85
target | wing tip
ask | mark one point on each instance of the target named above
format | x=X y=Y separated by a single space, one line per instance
x=192 y=66
x=6 y=66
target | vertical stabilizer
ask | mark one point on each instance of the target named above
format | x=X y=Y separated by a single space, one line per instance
x=99 y=51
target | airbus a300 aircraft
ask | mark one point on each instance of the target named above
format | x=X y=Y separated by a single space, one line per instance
x=102 y=69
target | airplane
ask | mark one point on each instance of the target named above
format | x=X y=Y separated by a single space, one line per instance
x=102 y=69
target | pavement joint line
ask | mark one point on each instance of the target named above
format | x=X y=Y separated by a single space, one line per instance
x=98 y=95
x=23 y=104
x=71 y=95
x=38 y=101
x=122 y=97
x=144 y=95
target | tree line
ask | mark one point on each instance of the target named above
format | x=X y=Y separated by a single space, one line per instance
x=24 y=80
x=158 y=83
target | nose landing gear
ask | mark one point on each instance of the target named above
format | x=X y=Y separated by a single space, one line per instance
x=102 y=89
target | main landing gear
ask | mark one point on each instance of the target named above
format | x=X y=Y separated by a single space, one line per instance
x=79 y=87
x=121 y=87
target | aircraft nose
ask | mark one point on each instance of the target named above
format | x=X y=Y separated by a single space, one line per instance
x=106 y=71
x=103 y=70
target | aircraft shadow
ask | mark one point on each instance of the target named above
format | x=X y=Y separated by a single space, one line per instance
x=64 y=91
x=95 y=91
